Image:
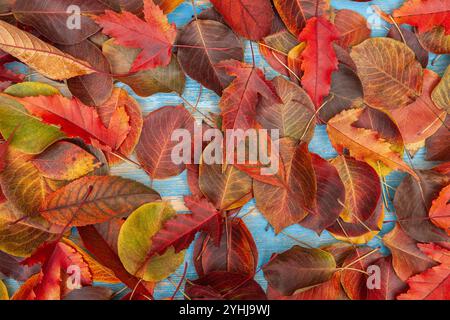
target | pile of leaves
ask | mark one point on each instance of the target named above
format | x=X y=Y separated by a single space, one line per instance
x=67 y=224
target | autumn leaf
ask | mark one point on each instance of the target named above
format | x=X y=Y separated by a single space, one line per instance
x=96 y=88
x=121 y=99
x=84 y=123
x=358 y=217
x=65 y=161
x=388 y=84
x=331 y=193
x=283 y=207
x=135 y=243
x=318 y=65
x=299 y=268
x=424 y=14
x=239 y=100
x=295 y=13
x=439 y=211
x=155 y=36
x=410 y=38
x=226 y=189
x=208 y=43
x=390 y=284
x=56 y=258
x=407 y=259
x=92 y=200
x=293 y=117
x=236 y=253
x=51 y=18
x=352 y=27
x=48 y=60
x=440 y=94
x=421 y=119
x=220 y=285
x=180 y=231
x=101 y=241
x=435 y=41
x=363 y=144
x=436 y=148
x=412 y=202
x=155 y=147
x=434 y=283
x=249 y=18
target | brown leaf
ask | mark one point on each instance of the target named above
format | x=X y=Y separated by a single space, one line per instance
x=237 y=251
x=294 y=117
x=96 y=88
x=228 y=189
x=91 y=200
x=390 y=74
x=283 y=207
x=353 y=28
x=154 y=150
x=407 y=259
x=37 y=54
x=441 y=93
x=295 y=13
x=412 y=202
x=207 y=43
x=435 y=40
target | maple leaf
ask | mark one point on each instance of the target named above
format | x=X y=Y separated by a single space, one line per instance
x=424 y=14
x=319 y=58
x=56 y=258
x=79 y=120
x=240 y=99
x=434 y=283
x=180 y=231
x=155 y=36
x=363 y=144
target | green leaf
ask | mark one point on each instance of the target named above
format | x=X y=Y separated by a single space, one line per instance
x=135 y=242
x=31 y=136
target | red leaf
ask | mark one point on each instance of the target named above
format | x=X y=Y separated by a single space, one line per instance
x=56 y=258
x=424 y=14
x=319 y=58
x=434 y=283
x=180 y=231
x=240 y=99
x=79 y=120
x=105 y=252
x=250 y=18
x=155 y=36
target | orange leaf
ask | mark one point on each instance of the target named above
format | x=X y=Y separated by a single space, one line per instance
x=424 y=14
x=440 y=210
x=363 y=144
x=434 y=283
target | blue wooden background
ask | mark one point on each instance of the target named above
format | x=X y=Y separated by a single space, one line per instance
x=266 y=240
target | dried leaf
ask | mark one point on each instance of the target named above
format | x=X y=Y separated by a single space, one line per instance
x=283 y=207
x=91 y=200
x=154 y=150
x=440 y=208
x=249 y=18
x=208 y=43
x=441 y=95
x=37 y=54
x=295 y=13
x=155 y=36
x=352 y=27
x=390 y=74
x=135 y=243
x=299 y=268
